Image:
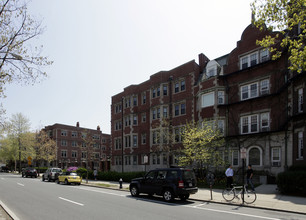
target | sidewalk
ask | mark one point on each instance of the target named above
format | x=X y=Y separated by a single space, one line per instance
x=267 y=197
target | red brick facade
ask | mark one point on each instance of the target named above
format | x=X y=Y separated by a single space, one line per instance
x=254 y=100
x=80 y=147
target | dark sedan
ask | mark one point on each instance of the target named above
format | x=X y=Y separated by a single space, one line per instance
x=29 y=172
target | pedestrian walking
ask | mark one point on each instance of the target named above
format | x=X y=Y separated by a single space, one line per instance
x=95 y=174
x=250 y=174
x=229 y=173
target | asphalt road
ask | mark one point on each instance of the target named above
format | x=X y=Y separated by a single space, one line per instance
x=30 y=199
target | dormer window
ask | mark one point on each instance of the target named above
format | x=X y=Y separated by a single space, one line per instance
x=211 y=69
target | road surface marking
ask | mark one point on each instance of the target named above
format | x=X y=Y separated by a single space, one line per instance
x=20 y=184
x=104 y=192
x=67 y=200
x=233 y=213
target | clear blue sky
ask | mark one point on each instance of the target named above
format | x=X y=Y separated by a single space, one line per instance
x=99 y=47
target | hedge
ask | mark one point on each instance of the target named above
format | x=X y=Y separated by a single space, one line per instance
x=110 y=175
x=292 y=182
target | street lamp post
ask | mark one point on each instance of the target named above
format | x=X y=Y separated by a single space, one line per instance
x=243 y=157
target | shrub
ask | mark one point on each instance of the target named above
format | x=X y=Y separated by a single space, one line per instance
x=292 y=182
x=82 y=172
x=115 y=176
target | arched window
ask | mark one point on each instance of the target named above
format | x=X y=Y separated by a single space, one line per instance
x=255 y=156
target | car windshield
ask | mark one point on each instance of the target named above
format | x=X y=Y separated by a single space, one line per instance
x=71 y=174
x=57 y=170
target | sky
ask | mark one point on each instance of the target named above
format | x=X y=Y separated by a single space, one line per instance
x=99 y=47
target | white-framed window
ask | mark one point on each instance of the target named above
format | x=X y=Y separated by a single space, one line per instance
x=264 y=55
x=179 y=109
x=276 y=156
x=135 y=142
x=127 y=160
x=254 y=58
x=135 y=161
x=249 y=124
x=74 y=154
x=255 y=89
x=118 y=143
x=165 y=112
x=178 y=134
x=155 y=137
x=249 y=91
x=300 y=100
x=135 y=102
x=221 y=97
x=208 y=99
x=64 y=153
x=63 y=143
x=144 y=117
x=74 y=134
x=300 y=145
x=211 y=72
x=214 y=124
x=118 y=160
x=135 y=120
x=179 y=86
x=63 y=132
x=265 y=121
x=143 y=139
x=144 y=98
x=235 y=158
x=264 y=87
x=74 y=144
x=127 y=141
x=165 y=89
x=84 y=155
x=254 y=156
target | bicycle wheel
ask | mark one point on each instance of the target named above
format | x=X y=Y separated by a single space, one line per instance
x=249 y=196
x=228 y=194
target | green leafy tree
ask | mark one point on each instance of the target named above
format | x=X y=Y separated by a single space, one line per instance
x=288 y=17
x=19 y=61
x=20 y=139
x=45 y=147
x=203 y=146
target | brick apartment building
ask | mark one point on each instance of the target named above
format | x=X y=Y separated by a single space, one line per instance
x=81 y=147
x=255 y=101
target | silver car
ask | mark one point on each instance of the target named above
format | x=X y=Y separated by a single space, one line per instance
x=51 y=174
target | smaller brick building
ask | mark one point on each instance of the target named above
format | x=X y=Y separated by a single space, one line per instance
x=80 y=147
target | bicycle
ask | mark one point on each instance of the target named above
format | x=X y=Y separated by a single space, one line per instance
x=230 y=193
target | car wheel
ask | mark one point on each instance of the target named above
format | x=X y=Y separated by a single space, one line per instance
x=43 y=178
x=66 y=182
x=134 y=191
x=57 y=181
x=184 y=197
x=168 y=195
x=49 y=179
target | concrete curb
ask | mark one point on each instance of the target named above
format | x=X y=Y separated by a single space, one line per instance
x=209 y=201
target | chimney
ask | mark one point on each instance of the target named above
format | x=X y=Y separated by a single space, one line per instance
x=203 y=60
x=98 y=128
x=78 y=124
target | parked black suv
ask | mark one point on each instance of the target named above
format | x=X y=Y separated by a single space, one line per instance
x=29 y=171
x=169 y=183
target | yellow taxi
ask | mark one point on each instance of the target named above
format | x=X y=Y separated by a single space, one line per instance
x=69 y=177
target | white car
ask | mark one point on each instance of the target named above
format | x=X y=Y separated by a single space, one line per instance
x=51 y=174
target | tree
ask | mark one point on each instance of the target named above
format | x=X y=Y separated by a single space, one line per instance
x=202 y=145
x=45 y=147
x=285 y=16
x=20 y=138
x=19 y=62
